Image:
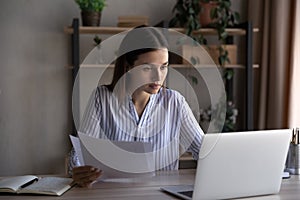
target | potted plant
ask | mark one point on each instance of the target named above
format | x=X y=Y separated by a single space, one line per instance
x=187 y=15
x=91 y=11
x=204 y=15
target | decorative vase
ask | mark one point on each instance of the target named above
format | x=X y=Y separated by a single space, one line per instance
x=90 y=18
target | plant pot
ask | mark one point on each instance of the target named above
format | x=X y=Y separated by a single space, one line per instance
x=90 y=18
x=204 y=16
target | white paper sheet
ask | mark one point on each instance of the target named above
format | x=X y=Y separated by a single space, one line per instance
x=77 y=147
x=116 y=159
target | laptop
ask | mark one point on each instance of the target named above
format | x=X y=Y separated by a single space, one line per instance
x=238 y=164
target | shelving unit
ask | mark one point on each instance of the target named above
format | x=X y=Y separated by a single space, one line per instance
x=244 y=29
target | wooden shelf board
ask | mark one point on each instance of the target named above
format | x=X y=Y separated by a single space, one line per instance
x=209 y=66
x=211 y=31
x=171 y=65
x=116 y=30
x=95 y=30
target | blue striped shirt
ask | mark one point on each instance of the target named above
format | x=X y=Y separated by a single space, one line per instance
x=166 y=119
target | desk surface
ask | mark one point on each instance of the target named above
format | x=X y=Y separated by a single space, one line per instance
x=149 y=188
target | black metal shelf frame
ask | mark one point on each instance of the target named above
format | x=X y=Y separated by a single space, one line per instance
x=247 y=26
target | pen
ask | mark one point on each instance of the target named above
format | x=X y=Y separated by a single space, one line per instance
x=293 y=137
x=297 y=135
x=29 y=183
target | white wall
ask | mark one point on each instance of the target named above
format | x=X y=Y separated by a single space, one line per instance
x=35 y=85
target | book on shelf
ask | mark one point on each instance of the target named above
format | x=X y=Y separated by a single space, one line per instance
x=132 y=20
x=29 y=184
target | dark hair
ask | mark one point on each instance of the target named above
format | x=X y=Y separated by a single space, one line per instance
x=140 y=40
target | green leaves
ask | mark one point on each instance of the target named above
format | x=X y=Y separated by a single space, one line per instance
x=187 y=15
x=223 y=17
x=228 y=74
x=97 y=40
x=91 y=5
x=194 y=60
x=193 y=79
x=228 y=110
x=235 y=17
x=213 y=13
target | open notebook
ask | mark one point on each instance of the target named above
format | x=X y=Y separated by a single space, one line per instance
x=35 y=185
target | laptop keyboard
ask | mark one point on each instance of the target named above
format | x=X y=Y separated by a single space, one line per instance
x=187 y=193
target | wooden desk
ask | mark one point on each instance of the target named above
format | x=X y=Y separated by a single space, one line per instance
x=149 y=188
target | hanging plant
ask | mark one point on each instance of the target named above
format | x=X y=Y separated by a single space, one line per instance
x=186 y=15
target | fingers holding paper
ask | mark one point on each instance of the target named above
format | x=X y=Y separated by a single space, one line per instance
x=85 y=176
